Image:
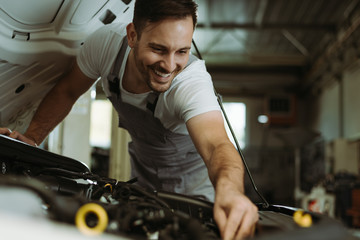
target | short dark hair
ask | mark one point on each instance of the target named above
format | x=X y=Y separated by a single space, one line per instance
x=157 y=10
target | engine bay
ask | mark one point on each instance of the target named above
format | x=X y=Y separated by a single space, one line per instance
x=95 y=205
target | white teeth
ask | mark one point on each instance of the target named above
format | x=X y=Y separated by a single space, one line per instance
x=162 y=74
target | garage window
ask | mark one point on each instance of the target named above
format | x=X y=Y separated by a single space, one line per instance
x=236 y=113
x=100 y=130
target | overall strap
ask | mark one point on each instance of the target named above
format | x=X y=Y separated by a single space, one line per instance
x=113 y=78
x=153 y=97
x=114 y=81
x=152 y=101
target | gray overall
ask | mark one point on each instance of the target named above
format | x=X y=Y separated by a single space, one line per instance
x=161 y=160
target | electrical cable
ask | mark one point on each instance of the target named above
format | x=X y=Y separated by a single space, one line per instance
x=240 y=152
x=266 y=204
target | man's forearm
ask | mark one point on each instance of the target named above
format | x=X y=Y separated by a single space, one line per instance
x=52 y=110
x=234 y=213
x=58 y=103
x=226 y=167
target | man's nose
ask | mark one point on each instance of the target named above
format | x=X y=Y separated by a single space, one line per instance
x=169 y=63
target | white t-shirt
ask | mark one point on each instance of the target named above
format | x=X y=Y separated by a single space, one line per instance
x=190 y=94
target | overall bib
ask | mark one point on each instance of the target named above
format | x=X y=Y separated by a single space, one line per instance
x=160 y=159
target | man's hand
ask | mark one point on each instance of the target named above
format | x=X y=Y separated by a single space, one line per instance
x=17 y=135
x=5 y=131
x=234 y=213
x=54 y=107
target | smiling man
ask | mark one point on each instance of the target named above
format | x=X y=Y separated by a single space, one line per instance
x=164 y=98
x=158 y=55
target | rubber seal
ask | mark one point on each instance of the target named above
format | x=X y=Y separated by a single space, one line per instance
x=100 y=213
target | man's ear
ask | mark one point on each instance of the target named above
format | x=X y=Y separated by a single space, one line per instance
x=131 y=34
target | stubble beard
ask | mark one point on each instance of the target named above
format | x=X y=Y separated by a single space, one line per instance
x=145 y=74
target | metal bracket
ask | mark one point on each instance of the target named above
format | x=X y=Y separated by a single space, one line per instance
x=21 y=35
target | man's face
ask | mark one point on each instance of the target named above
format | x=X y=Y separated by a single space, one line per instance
x=162 y=52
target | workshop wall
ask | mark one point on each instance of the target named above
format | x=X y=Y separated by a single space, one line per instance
x=330 y=114
x=269 y=158
x=351 y=101
x=335 y=114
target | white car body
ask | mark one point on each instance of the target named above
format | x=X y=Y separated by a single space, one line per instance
x=38 y=44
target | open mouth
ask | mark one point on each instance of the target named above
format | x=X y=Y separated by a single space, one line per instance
x=161 y=74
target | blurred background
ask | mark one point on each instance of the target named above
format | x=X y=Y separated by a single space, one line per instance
x=288 y=72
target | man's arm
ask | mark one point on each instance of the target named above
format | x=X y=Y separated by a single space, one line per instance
x=55 y=106
x=234 y=213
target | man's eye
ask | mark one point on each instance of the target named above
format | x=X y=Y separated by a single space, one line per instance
x=158 y=50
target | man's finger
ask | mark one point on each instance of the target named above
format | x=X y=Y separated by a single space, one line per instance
x=247 y=227
x=220 y=218
x=22 y=138
x=5 y=131
x=233 y=224
x=14 y=134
